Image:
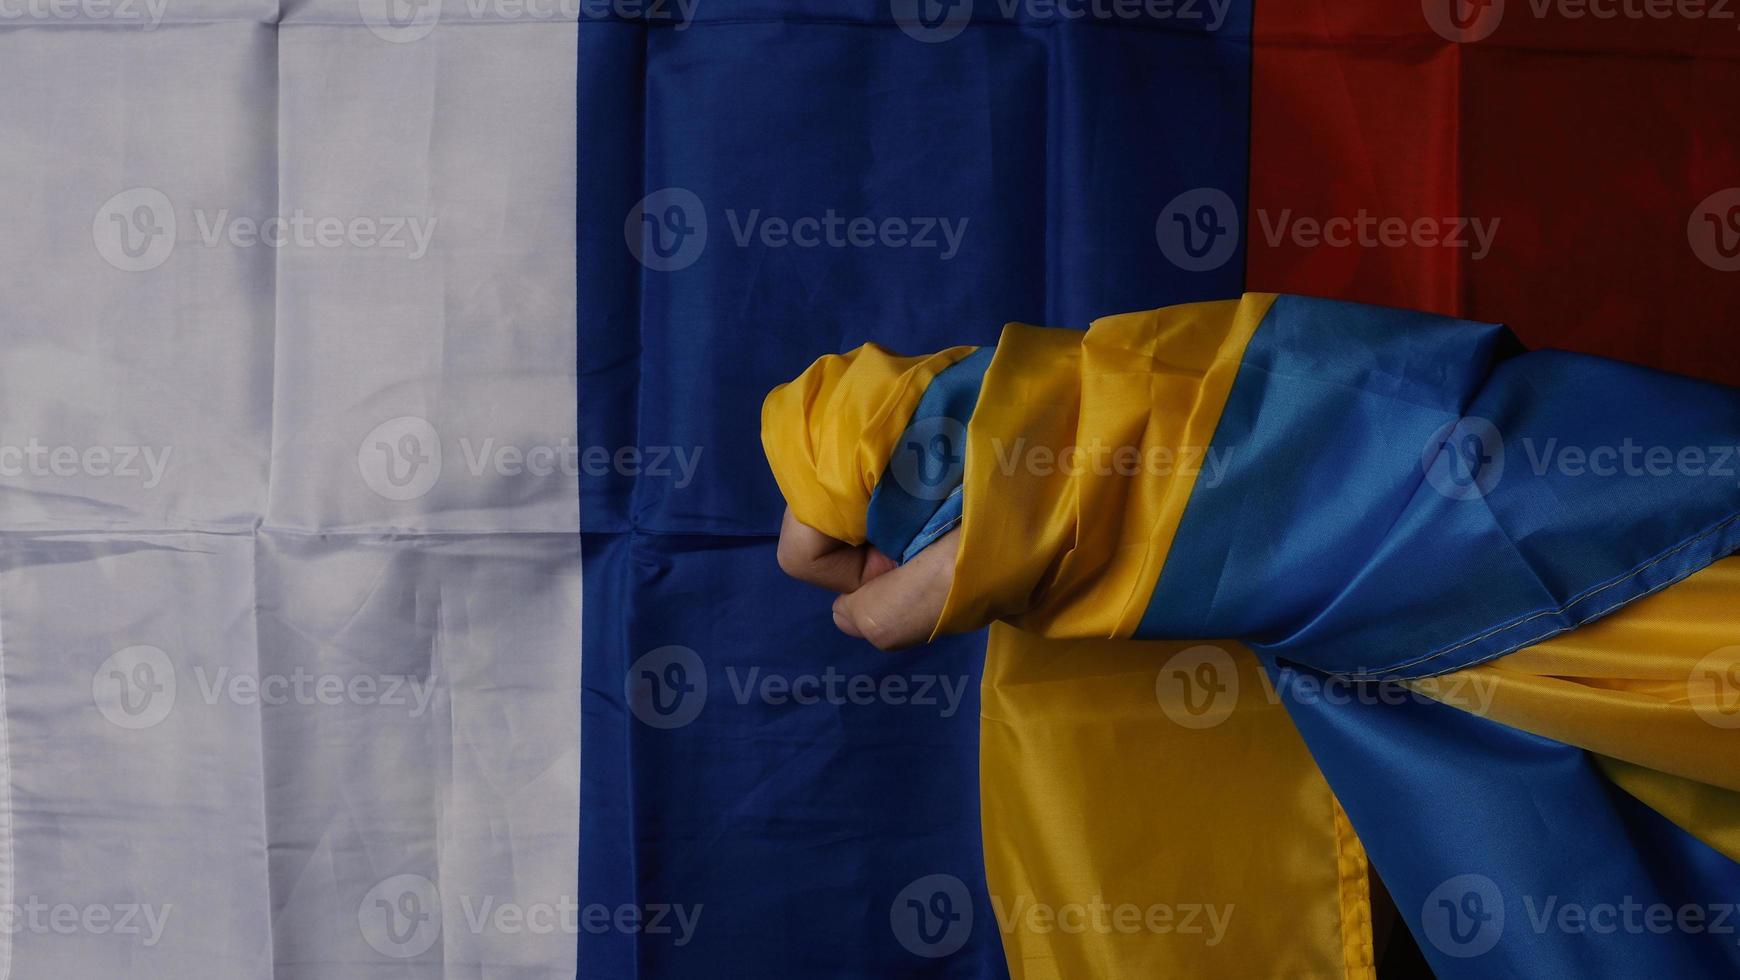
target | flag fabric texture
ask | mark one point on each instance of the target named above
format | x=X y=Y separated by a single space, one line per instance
x=1563 y=177
x=1559 y=176
x=288 y=631
x=300 y=298
x=815 y=828
x=1374 y=522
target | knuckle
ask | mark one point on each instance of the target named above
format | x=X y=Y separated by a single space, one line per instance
x=880 y=635
x=790 y=562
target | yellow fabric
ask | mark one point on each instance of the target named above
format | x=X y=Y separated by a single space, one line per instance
x=1653 y=688
x=830 y=433
x=1132 y=829
x=1709 y=813
x=1128 y=805
x=1081 y=456
x=1353 y=872
x=1111 y=775
x=1656 y=684
x=1158 y=778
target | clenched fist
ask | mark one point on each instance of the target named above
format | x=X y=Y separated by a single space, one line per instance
x=892 y=606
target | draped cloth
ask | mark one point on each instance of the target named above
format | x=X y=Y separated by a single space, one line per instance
x=1472 y=609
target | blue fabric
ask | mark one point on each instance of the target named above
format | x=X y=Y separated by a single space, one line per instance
x=1351 y=532
x=793 y=825
x=796 y=826
x=1058 y=143
x=919 y=497
x=1493 y=841
x=946 y=519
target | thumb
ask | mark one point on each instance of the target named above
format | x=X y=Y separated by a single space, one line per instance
x=901 y=607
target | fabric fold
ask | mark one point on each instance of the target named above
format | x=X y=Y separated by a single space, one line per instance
x=1365 y=491
x=1490 y=586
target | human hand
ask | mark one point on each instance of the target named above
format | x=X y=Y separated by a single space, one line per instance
x=891 y=606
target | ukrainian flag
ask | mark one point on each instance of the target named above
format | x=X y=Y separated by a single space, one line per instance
x=1406 y=594
x=1575 y=177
